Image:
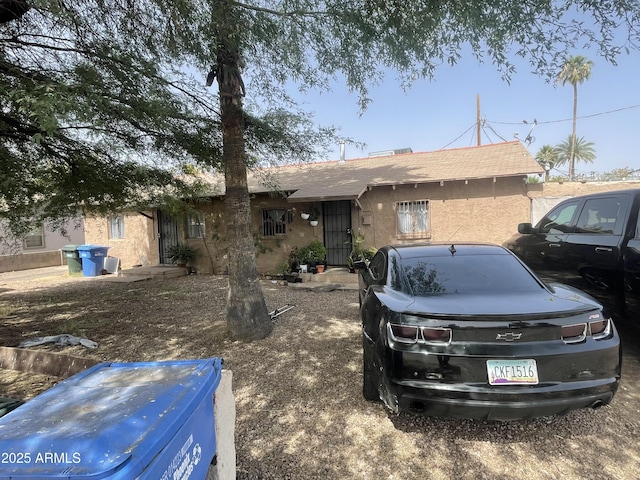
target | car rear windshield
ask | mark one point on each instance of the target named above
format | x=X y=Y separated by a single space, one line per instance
x=465 y=275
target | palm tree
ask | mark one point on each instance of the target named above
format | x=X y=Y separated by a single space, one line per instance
x=548 y=156
x=581 y=150
x=576 y=70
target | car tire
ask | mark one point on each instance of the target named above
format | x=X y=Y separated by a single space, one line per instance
x=369 y=383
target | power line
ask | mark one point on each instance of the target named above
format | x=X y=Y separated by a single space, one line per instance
x=492 y=129
x=460 y=136
x=474 y=125
x=571 y=119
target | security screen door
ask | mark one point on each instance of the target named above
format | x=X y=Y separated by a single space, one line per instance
x=336 y=217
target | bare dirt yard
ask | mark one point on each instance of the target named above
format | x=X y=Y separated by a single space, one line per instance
x=300 y=412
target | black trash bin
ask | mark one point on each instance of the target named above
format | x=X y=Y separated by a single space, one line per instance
x=74 y=262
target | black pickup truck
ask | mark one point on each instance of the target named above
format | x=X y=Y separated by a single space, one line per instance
x=596 y=236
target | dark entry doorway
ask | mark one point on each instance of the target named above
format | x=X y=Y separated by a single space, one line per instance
x=336 y=218
x=167 y=235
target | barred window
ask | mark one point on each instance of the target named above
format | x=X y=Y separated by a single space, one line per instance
x=116 y=226
x=273 y=222
x=412 y=219
x=195 y=225
x=35 y=238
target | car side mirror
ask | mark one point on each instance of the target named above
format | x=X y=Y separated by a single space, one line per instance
x=525 y=228
x=360 y=265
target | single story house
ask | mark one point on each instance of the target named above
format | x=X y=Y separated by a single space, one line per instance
x=476 y=193
x=40 y=247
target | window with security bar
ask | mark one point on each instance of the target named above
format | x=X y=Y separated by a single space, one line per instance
x=273 y=222
x=412 y=219
x=195 y=225
x=116 y=226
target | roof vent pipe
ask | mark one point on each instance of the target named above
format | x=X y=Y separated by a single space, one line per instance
x=342 y=149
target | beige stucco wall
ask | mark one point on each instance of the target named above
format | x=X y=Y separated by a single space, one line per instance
x=477 y=210
x=574 y=189
x=139 y=245
x=271 y=252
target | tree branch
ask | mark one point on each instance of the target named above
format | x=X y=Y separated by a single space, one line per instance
x=11 y=10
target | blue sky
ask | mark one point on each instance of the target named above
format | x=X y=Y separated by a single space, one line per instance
x=433 y=114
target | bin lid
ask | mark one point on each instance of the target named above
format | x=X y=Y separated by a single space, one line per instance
x=69 y=248
x=109 y=421
x=89 y=247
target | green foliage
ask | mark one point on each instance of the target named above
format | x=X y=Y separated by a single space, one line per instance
x=102 y=122
x=358 y=251
x=182 y=253
x=576 y=69
x=548 y=156
x=283 y=268
x=583 y=151
x=316 y=251
x=299 y=255
x=95 y=123
x=314 y=213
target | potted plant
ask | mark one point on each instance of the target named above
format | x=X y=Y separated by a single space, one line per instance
x=297 y=258
x=314 y=215
x=182 y=254
x=358 y=252
x=317 y=253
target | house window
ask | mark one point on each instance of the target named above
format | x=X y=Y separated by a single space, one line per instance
x=116 y=226
x=195 y=225
x=35 y=238
x=412 y=219
x=273 y=222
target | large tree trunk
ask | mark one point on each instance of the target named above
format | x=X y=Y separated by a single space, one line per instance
x=247 y=314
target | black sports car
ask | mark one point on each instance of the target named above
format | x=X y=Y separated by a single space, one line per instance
x=468 y=330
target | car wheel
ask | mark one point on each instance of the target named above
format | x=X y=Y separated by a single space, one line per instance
x=369 y=383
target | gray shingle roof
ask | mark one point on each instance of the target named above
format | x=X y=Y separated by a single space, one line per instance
x=341 y=180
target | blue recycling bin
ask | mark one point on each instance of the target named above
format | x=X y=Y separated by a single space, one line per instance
x=124 y=421
x=92 y=259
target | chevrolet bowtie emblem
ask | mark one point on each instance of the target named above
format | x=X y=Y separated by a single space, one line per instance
x=509 y=337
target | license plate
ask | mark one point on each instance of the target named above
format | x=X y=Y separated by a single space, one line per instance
x=512 y=372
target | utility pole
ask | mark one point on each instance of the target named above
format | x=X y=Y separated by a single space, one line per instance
x=478 y=119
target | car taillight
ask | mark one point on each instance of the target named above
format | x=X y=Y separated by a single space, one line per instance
x=412 y=334
x=600 y=329
x=574 y=333
x=439 y=335
x=403 y=333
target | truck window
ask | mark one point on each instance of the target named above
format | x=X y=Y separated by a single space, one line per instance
x=558 y=220
x=601 y=216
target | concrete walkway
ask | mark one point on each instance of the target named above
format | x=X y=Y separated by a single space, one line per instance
x=33 y=274
x=332 y=279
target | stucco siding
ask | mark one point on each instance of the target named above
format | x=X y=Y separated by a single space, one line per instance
x=479 y=210
x=139 y=245
x=484 y=210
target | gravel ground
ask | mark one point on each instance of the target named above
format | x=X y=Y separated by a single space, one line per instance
x=300 y=412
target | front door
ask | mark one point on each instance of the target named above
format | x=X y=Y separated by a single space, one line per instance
x=336 y=217
x=167 y=235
